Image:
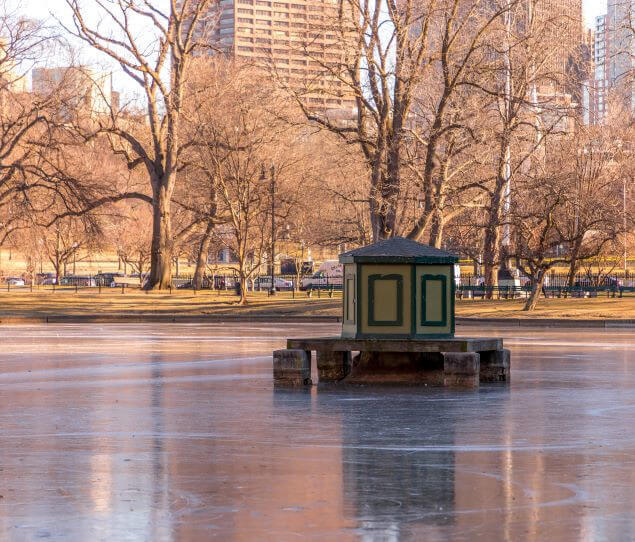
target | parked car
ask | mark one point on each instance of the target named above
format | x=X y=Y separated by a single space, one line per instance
x=45 y=279
x=78 y=280
x=329 y=274
x=15 y=281
x=189 y=284
x=264 y=283
x=106 y=279
x=123 y=280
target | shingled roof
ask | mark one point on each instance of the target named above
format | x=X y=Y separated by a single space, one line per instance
x=398 y=250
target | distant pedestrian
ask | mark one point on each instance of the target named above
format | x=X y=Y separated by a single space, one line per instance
x=545 y=283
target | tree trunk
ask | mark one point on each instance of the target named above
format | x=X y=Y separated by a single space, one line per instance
x=536 y=288
x=436 y=230
x=298 y=278
x=573 y=266
x=491 y=255
x=493 y=233
x=201 y=256
x=161 y=259
x=243 y=289
x=58 y=267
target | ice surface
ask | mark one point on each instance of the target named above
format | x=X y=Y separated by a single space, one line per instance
x=174 y=433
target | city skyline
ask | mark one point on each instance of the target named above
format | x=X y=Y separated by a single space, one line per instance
x=57 y=9
x=592 y=8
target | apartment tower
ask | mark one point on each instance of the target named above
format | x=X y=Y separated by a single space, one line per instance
x=563 y=23
x=296 y=39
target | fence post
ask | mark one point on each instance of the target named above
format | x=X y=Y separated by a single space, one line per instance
x=170 y=288
x=75 y=287
x=123 y=288
x=8 y=286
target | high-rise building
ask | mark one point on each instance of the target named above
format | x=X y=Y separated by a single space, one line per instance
x=614 y=56
x=295 y=38
x=585 y=77
x=86 y=90
x=601 y=54
x=562 y=24
x=11 y=78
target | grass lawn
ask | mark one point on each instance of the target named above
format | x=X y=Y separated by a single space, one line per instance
x=179 y=302
x=22 y=303
x=599 y=308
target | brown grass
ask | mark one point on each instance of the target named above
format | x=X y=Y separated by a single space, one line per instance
x=184 y=303
x=600 y=308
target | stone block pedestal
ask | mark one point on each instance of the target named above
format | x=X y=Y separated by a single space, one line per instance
x=495 y=365
x=461 y=369
x=452 y=361
x=292 y=367
x=333 y=366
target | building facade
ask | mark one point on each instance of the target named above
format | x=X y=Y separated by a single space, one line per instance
x=85 y=90
x=295 y=39
x=614 y=56
x=562 y=24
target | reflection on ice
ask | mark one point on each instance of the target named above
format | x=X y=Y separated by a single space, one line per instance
x=175 y=433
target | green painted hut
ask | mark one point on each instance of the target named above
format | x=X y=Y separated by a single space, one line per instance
x=398 y=288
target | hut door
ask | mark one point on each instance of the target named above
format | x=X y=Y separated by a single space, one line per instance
x=350 y=295
x=434 y=300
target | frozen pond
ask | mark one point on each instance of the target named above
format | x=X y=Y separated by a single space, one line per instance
x=174 y=433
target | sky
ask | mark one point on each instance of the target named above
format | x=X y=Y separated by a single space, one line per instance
x=593 y=8
x=40 y=8
x=44 y=9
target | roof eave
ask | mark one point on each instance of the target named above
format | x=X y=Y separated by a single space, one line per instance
x=444 y=260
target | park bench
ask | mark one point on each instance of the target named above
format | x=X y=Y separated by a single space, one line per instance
x=498 y=292
x=627 y=290
x=329 y=290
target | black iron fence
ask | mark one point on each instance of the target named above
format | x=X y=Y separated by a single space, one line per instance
x=311 y=286
x=470 y=286
x=581 y=280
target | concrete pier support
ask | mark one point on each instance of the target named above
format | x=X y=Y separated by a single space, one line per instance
x=451 y=361
x=495 y=365
x=292 y=367
x=333 y=366
x=461 y=369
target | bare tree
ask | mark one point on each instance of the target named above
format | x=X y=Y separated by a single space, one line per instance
x=160 y=63
x=395 y=51
x=253 y=161
x=552 y=222
x=525 y=116
x=128 y=230
x=24 y=117
x=68 y=240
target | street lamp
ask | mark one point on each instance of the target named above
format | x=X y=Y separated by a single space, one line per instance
x=40 y=242
x=75 y=245
x=273 y=228
x=626 y=149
